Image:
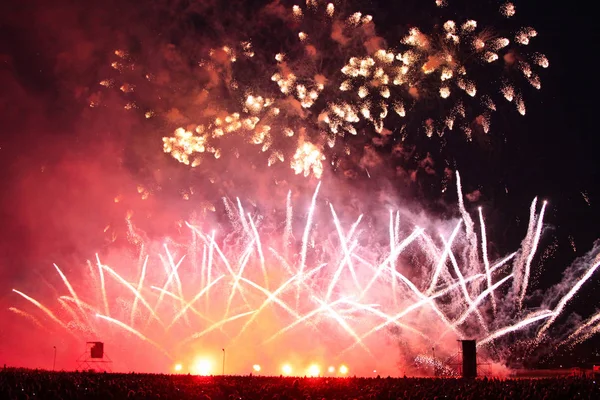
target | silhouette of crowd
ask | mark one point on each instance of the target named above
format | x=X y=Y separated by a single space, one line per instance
x=29 y=384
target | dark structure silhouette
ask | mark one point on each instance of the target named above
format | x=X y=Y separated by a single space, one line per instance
x=469 y=359
x=97 y=350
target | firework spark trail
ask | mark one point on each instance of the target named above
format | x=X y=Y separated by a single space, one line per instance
x=191 y=302
x=215 y=246
x=137 y=294
x=193 y=252
x=525 y=249
x=72 y=291
x=515 y=327
x=273 y=296
x=353 y=228
x=588 y=334
x=432 y=297
x=88 y=329
x=242 y=216
x=536 y=240
x=386 y=263
x=397 y=227
x=503 y=262
x=486 y=260
x=283 y=261
x=463 y=285
x=479 y=299
x=305 y=237
x=227 y=203
x=203 y=273
x=434 y=254
x=386 y=317
x=93 y=310
x=443 y=258
x=289 y=214
x=275 y=299
x=566 y=298
x=92 y=273
x=236 y=279
x=44 y=309
x=135 y=332
x=75 y=318
x=338 y=272
x=591 y=321
x=422 y=296
x=227 y=264
x=302 y=319
x=260 y=251
x=469 y=225
x=175 y=268
x=171 y=275
x=209 y=268
x=327 y=307
x=216 y=325
x=27 y=316
x=139 y=288
x=393 y=261
x=132 y=235
x=179 y=299
x=175 y=273
x=347 y=253
x=102 y=286
x=411 y=308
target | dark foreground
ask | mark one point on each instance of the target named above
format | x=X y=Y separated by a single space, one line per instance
x=27 y=384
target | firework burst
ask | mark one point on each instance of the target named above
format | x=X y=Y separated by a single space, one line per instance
x=245 y=289
x=336 y=83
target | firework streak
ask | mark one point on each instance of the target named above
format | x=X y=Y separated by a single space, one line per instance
x=251 y=288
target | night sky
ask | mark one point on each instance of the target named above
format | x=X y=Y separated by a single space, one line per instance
x=62 y=163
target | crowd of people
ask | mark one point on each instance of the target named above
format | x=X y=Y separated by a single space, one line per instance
x=32 y=384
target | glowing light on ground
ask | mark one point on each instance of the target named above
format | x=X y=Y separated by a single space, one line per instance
x=314 y=370
x=286 y=369
x=202 y=367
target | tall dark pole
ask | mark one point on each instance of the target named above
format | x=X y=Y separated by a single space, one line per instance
x=434 y=363
x=54 y=362
x=223 y=362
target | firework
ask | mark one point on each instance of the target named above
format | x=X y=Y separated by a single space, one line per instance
x=335 y=83
x=248 y=289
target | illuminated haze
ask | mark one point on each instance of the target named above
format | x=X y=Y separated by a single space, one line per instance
x=73 y=194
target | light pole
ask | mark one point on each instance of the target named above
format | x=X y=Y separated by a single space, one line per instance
x=223 y=362
x=54 y=362
x=434 y=363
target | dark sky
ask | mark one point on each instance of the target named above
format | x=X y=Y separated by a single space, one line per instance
x=61 y=164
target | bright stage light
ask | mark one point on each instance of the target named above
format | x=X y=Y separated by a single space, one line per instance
x=314 y=370
x=256 y=367
x=331 y=369
x=178 y=367
x=287 y=369
x=343 y=370
x=202 y=367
